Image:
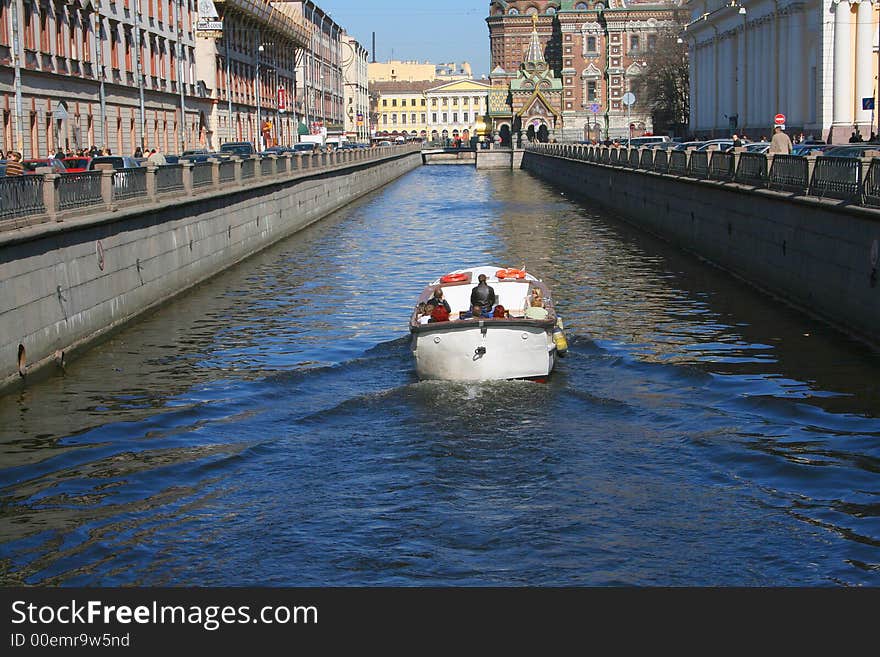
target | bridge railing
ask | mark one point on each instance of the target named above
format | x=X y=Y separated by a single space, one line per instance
x=852 y=180
x=45 y=196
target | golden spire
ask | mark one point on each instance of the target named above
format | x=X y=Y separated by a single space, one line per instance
x=534 y=21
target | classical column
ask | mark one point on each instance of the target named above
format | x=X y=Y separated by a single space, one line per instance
x=797 y=104
x=864 y=65
x=842 y=110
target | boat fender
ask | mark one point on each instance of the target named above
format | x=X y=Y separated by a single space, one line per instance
x=560 y=341
x=453 y=278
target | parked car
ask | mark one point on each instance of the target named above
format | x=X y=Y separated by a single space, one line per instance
x=196 y=155
x=758 y=147
x=636 y=142
x=31 y=165
x=278 y=150
x=684 y=145
x=76 y=164
x=384 y=143
x=850 y=150
x=722 y=144
x=116 y=161
x=239 y=148
x=306 y=147
x=2 y=167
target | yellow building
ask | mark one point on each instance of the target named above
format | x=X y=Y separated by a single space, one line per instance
x=398 y=71
x=400 y=109
x=455 y=108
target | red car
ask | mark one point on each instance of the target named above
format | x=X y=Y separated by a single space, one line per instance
x=76 y=164
x=31 y=166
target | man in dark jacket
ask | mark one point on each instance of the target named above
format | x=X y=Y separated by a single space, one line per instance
x=483 y=295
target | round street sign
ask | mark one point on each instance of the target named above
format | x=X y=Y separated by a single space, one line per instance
x=779 y=119
x=628 y=98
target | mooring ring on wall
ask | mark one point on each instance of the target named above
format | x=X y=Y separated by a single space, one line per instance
x=99 y=253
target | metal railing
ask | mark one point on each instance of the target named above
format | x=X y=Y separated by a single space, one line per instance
x=698 y=164
x=721 y=166
x=752 y=169
x=789 y=173
x=837 y=177
x=646 y=161
x=871 y=184
x=45 y=195
x=202 y=174
x=678 y=163
x=227 y=171
x=21 y=196
x=79 y=190
x=169 y=178
x=661 y=161
x=129 y=183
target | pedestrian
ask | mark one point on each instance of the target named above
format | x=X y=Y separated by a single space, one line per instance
x=737 y=142
x=138 y=152
x=852 y=137
x=781 y=142
x=156 y=158
x=873 y=137
x=13 y=164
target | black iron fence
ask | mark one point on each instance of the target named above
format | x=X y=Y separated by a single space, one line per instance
x=169 y=178
x=129 y=183
x=202 y=174
x=853 y=180
x=79 y=190
x=21 y=196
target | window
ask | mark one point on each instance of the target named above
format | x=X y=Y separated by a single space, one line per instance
x=652 y=41
x=455 y=102
x=513 y=12
x=433 y=102
x=434 y=117
x=464 y=117
x=591 y=44
x=551 y=11
x=634 y=42
x=591 y=91
x=384 y=102
x=581 y=6
x=403 y=119
x=384 y=119
x=412 y=103
x=445 y=117
x=394 y=119
x=424 y=118
x=455 y=117
x=412 y=118
x=393 y=102
x=445 y=102
x=424 y=102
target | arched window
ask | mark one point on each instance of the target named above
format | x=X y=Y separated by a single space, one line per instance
x=581 y=6
x=513 y=12
x=531 y=11
x=551 y=11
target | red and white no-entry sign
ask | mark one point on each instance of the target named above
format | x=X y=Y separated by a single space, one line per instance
x=779 y=119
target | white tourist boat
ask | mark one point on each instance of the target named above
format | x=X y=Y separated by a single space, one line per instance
x=487 y=348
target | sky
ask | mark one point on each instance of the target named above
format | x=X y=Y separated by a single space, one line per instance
x=434 y=30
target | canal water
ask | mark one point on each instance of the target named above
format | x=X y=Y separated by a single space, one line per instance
x=267 y=428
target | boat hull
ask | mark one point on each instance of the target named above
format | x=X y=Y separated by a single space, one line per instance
x=483 y=350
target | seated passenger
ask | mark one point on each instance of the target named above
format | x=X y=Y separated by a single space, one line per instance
x=438 y=300
x=536 y=310
x=500 y=312
x=476 y=312
x=422 y=313
x=439 y=314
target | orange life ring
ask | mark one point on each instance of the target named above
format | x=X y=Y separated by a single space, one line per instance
x=454 y=278
x=509 y=273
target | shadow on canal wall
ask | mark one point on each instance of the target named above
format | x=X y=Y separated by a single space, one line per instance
x=821 y=256
x=66 y=285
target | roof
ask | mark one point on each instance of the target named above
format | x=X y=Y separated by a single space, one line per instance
x=402 y=86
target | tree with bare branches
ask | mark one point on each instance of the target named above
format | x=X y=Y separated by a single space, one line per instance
x=664 y=86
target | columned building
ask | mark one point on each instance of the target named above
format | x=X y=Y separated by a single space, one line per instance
x=401 y=109
x=355 y=60
x=596 y=49
x=115 y=74
x=457 y=109
x=814 y=61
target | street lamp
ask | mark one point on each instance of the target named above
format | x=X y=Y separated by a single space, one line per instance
x=259 y=101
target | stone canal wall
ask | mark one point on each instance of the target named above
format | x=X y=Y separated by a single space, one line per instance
x=65 y=284
x=820 y=255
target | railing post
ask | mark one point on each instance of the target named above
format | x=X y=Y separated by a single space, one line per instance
x=737 y=152
x=151 y=181
x=187 y=178
x=215 y=173
x=107 y=185
x=811 y=165
x=50 y=195
x=299 y=161
x=236 y=169
x=769 y=158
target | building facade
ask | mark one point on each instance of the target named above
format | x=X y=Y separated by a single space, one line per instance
x=111 y=74
x=595 y=49
x=813 y=61
x=355 y=59
x=457 y=109
x=401 y=109
x=249 y=67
